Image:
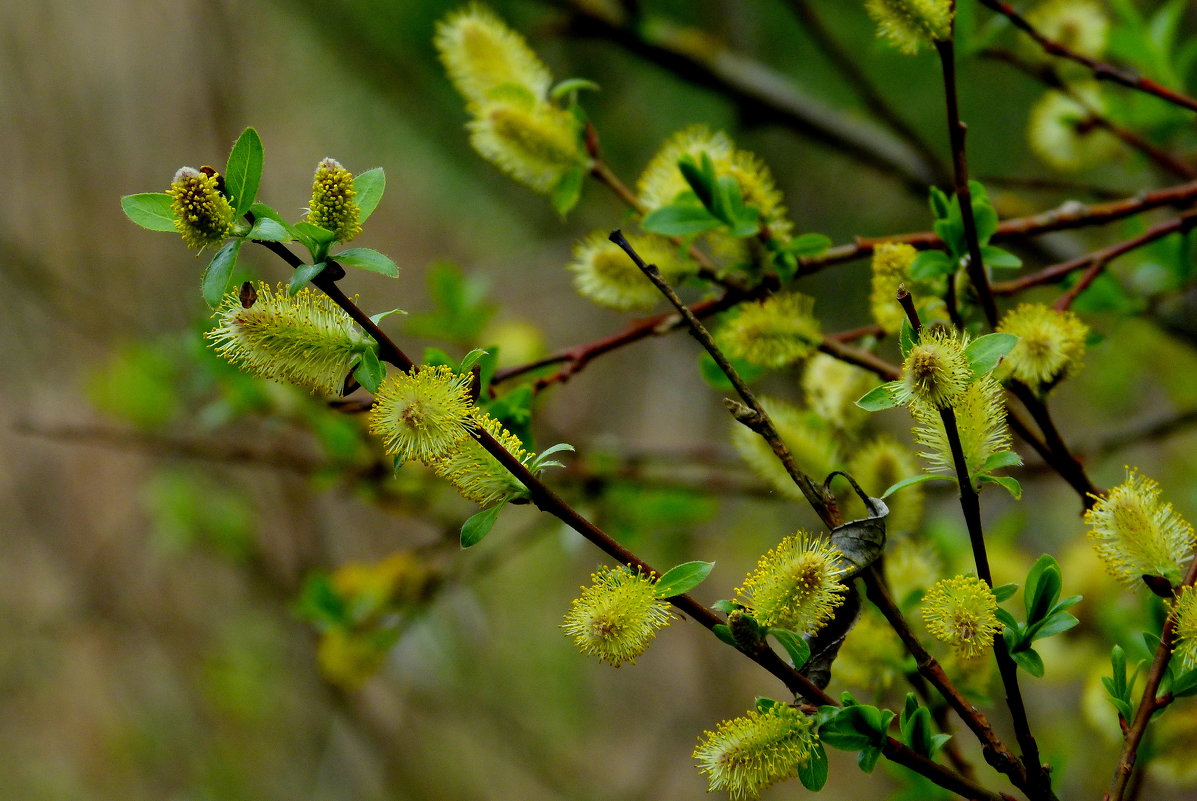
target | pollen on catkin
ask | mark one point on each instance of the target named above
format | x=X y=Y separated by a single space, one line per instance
x=748 y=754
x=477 y=475
x=796 y=585
x=810 y=440
x=423 y=414
x=481 y=54
x=1050 y=344
x=532 y=141
x=1185 y=631
x=936 y=369
x=962 y=612
x=891 y=263
x=617 y=616
x=1136 y=534
x=980 y=421
x=332 y=206
x=303 y=339
x=910 y=24
x=202 y=214
x=1063 y=133
x=604 y=273
x=774 y=332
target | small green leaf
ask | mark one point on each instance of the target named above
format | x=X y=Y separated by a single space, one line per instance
x=218 y=278
x=1030 y=661
x=1004 y=592
x=725 y=606
x=1007 y=483
x=1185 y=684
x=1043 y=588
x=378 y=318
x=1001 y=459
x=866 y=760
x=986 y=219
x=150 y=210
x=1053 y=625
x=682 y=579
x=939 y=203
x=267 y=230
x=700 y=175
x=808 y=244
x=722 y=631
x=303 y=275
x=570 y=85
x=370 y=371
x=910 y=482
x=929 y=265
x=797 y=647
x=367 y=259
x=679 y=220
x=998 y=258
x=368 y=188
x=243 y=172
x=906 y=337
x=880 y=398
x=984 y=353
x=567 y=191
x=480 y=525
x=813 y=773
x=716 y=378
x=321 y=236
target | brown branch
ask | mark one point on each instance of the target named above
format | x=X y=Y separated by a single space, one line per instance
x=1100 y=70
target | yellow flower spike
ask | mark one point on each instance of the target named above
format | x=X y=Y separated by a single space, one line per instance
x=811 y=442
x=617 y=616
x=424 y=414
x=303 y=339
x=476 y=474
x=891 y=261
x=911 y=24
x=936 y=369
x=879 y=464
x=1137 y=535
x=1050 y=344
x=980 y=420
x=535 y=143
x=1062 y=134
x=482 y=54
x=773 y=332
x=604 y=273
x=1080 y=25
x=1185 y=611
x=332 y=206
x=202 y=213
x=796 y=585
x=962 y=613
x=831 y=387
x=748 y=754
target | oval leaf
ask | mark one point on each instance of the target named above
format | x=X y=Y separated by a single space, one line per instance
x=368 y=188
x=480 y=525
x=984 y=353
x=367 y=259
x=682 y=578
x=929 y=264
x=680 y=221
x=370 y=372
x=879 y=398
x=910 y=482
x=218 y=278
x=303 y=276
x=243 y=173
x=797 y=647
x=813 y=773
x=150 y=210
x=268 y=230
x=808 y=244
x=1007 y=483
x=1001 y=459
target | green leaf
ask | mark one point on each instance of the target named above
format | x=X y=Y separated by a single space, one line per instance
x=368 y=188
x=1001 y=459
x=986 y=219
x=480 y=525
x=321 y=236
x=378 y=318
x=1030 y=661
x=571 y=85
x=725 y=606
x=218 y=278
x=1043 y=588
x=722 y=631
x=797 y=647
x=813 y=773
x=910 y=482
x=682 y=579
x=808 y=244
x=879 y=398
x=679 y=220
x=700 y=175
x=268 y=230
x=929 y=265
x=370 y=371
x=303 y=275
x=939 y=203
x=866 y=760
x=1053 y=625
x=1007 y=483
x=367 y=259
x=1004 y=592
x=243 y=173
x=716 y=378
x=906 y=337
x=150 y=210
x=567 y=191
x=1185 y=684
x=984 y=353
x=996 y=257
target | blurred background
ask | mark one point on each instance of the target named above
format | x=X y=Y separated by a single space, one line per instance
x=212 y=587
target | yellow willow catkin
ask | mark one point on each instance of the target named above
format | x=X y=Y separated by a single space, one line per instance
x=617 y=616
x=202 y=213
